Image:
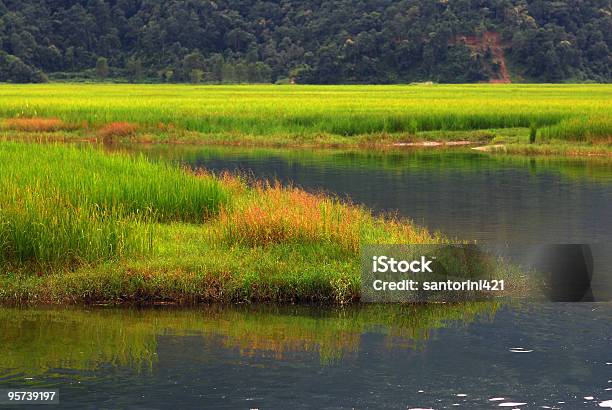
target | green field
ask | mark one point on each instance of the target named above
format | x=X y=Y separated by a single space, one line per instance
x=316 y=115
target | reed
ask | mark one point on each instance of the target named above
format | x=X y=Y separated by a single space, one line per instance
x=47 y=229
x=85 y=174
x=65 y=205
x=583 y=129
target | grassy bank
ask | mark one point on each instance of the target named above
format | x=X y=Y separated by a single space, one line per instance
x=81 y=226
x=346 y=116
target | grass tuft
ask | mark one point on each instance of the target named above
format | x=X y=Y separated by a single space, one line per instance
x=117 y=130
x=36 y=124
x=273 y=214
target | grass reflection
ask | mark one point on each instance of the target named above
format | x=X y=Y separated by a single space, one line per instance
x=393 y=161
x=36 y=341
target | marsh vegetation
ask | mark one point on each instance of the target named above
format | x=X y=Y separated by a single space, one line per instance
x=546 y=115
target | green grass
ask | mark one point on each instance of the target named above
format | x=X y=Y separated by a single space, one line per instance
x=63 y=205
x=81 y=226
x=317 y=115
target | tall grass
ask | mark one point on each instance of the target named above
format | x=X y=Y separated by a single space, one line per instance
x=65 y=205
x=339 y=110
x=46 y=228
x=86 y=175
x=593 y=130
x=272 y=214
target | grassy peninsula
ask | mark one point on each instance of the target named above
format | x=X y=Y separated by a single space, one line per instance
x=78 y=225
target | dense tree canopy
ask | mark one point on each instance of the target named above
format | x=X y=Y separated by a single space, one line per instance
x=307 y=41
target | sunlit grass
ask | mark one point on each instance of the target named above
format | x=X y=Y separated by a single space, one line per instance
x=270 y=110
x=272 y=214
x=62 y=205
x=80 y=225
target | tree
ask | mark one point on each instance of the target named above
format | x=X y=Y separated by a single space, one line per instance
x=134 y=69
x=13 y=69
x=196 y=76
x=228 y=73
x=313 y=41
x=102 y=69
x=192 y=63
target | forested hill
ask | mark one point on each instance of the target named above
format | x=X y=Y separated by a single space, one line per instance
x=306 y=41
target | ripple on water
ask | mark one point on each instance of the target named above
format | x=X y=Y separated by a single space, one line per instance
x=520 y=350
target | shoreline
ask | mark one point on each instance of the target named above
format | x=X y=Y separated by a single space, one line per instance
x=498 y=144
x=170 y=235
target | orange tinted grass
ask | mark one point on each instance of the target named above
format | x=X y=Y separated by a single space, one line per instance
x=601 y=140
x=165 y=127
x=117 y=129
x=276 y=214
x=37 y=124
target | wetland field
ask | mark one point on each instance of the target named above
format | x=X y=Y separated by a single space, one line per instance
x=199 y=246
x=543 y=118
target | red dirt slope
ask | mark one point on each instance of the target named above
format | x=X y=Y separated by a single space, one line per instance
x=491 y=42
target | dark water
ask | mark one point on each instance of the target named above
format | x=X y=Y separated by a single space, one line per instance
x=372 y=357
x=462 y=193
x=432 y=356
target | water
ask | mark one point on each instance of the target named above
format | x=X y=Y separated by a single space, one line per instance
x=433 y=356
x=278 y=358
x=463 y=193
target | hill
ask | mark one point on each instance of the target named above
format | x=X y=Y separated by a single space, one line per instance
x=306 y=41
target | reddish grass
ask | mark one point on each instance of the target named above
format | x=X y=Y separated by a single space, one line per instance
x=274 y=214
x=117 y=129
x=35 y=124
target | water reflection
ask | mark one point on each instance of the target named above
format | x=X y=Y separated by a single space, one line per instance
x=35 y=341
x=269 y=357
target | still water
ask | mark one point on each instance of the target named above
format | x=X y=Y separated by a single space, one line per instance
x=476 y=355
x=283 y=358
x=462 y=193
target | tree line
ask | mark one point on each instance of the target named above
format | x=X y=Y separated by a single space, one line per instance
x=303 y=41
